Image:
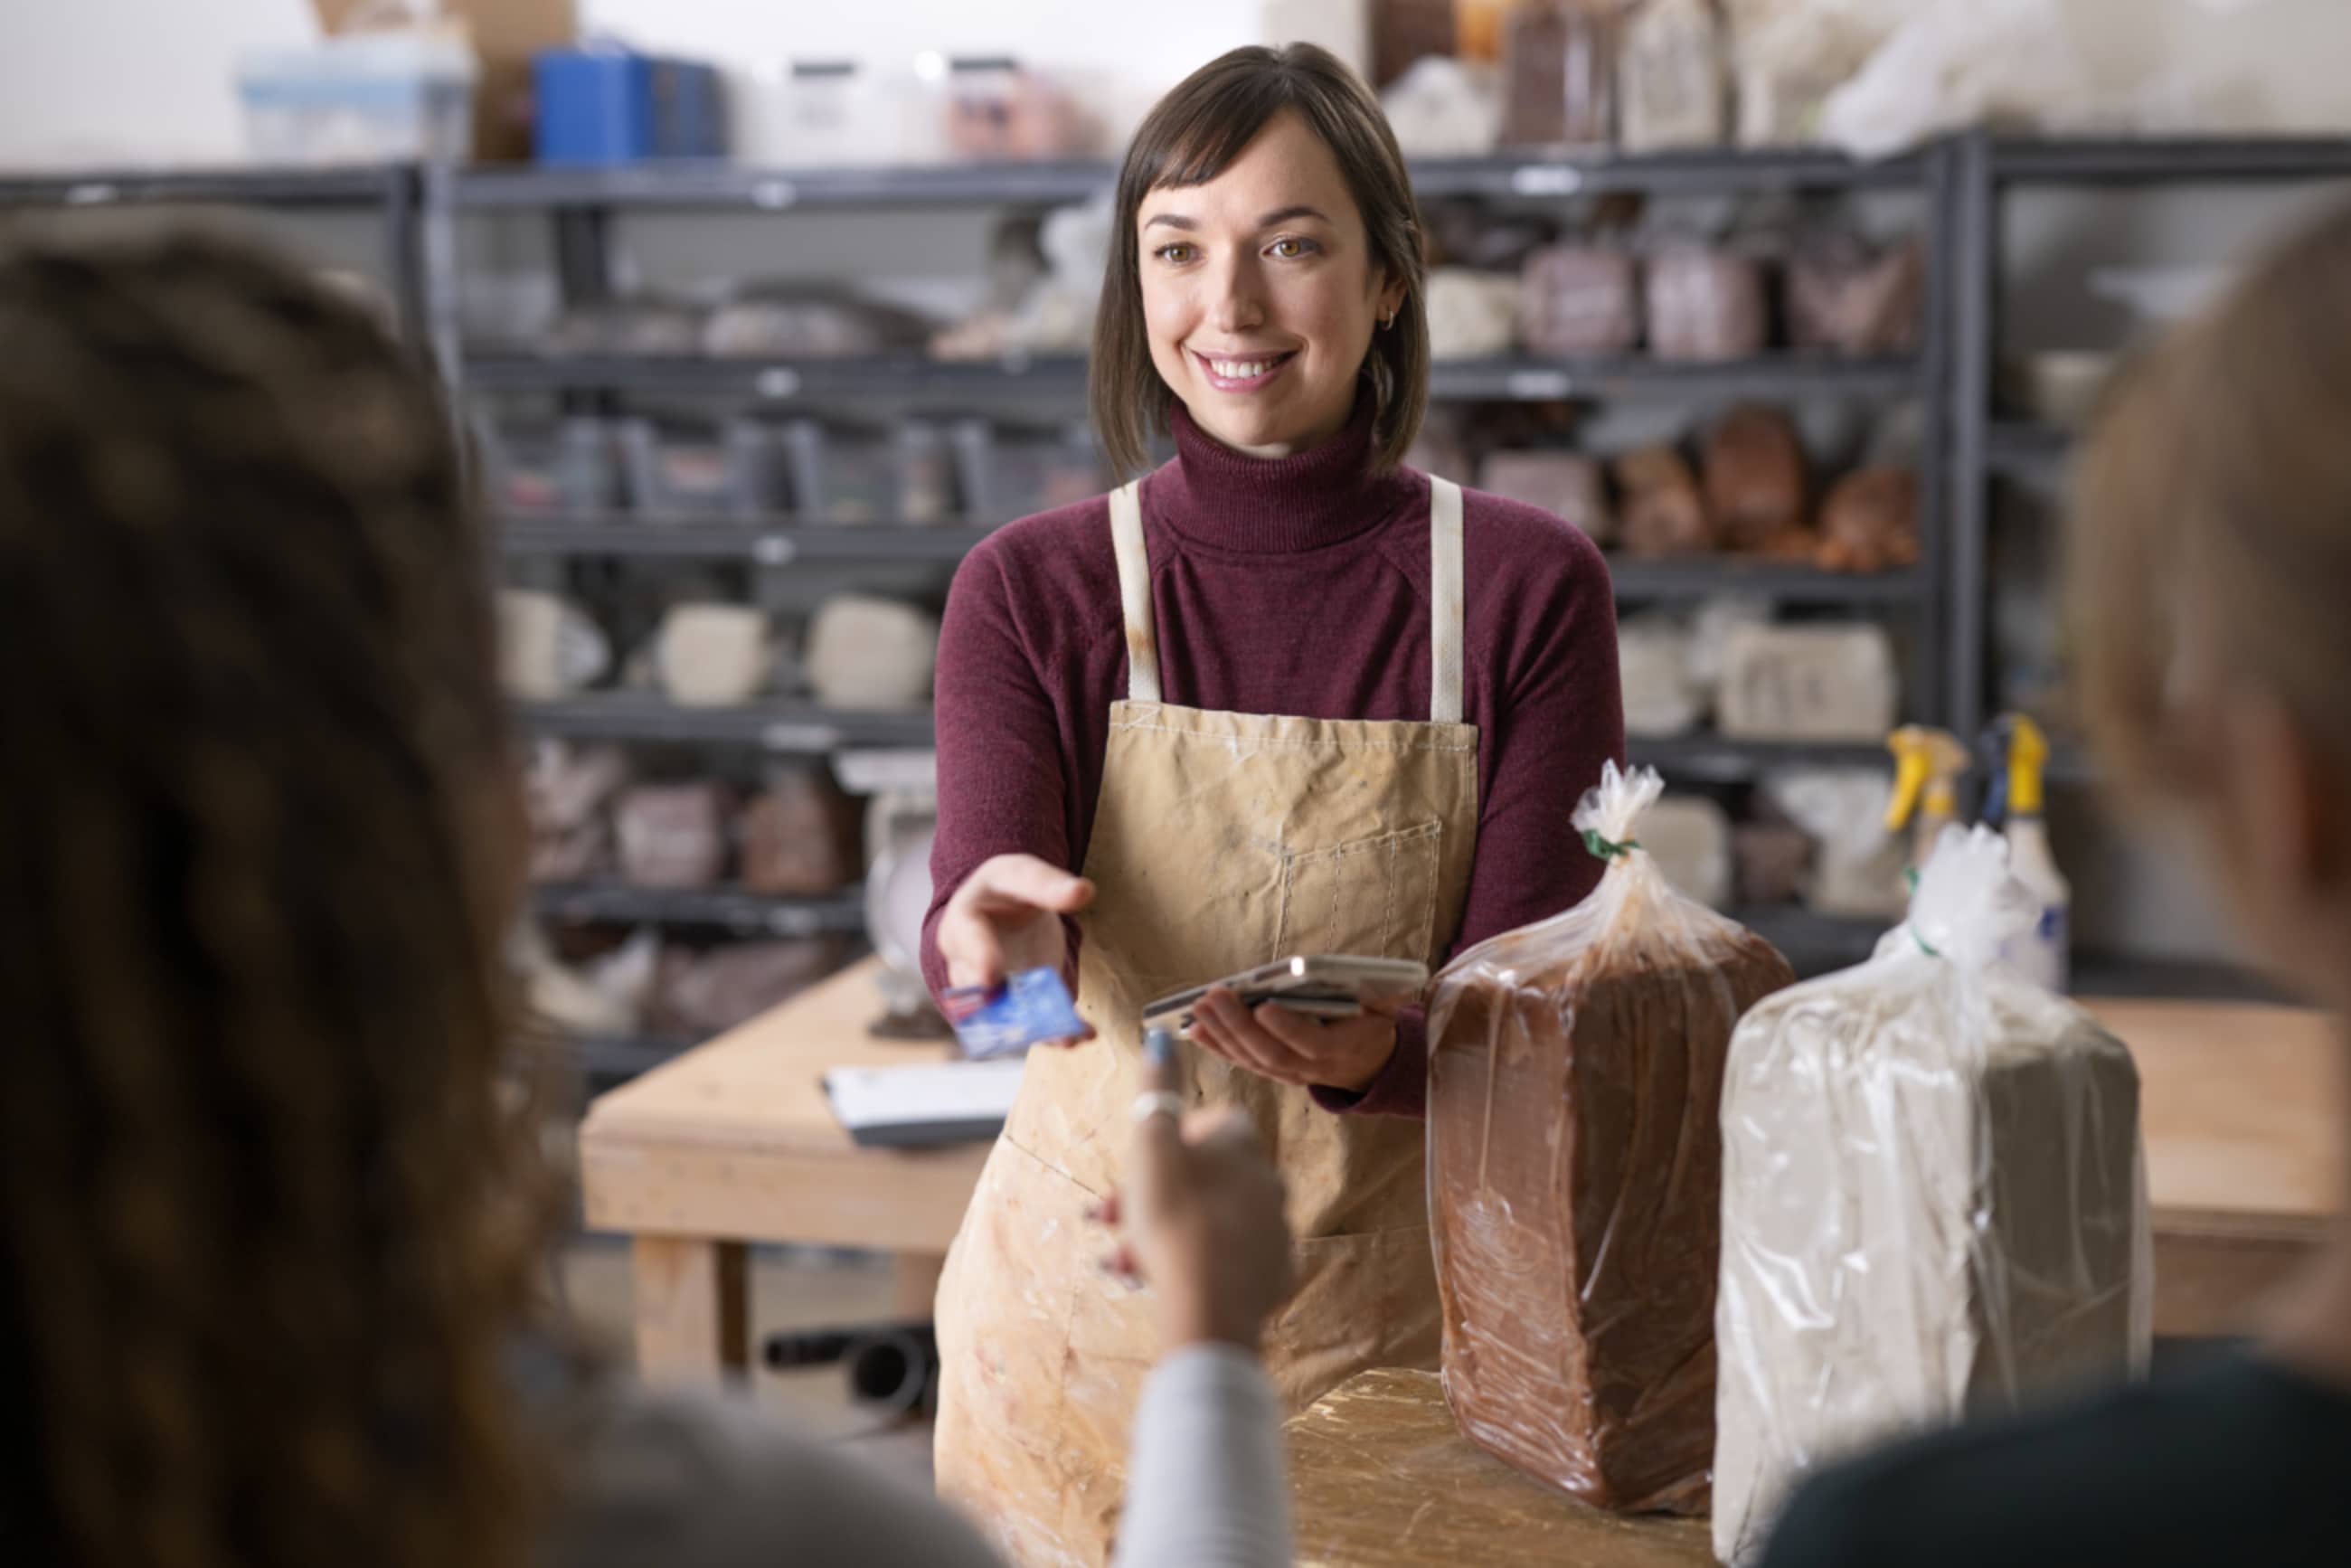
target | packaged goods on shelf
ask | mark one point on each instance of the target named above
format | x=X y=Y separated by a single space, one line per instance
x=602 y=103
x=998 y=110
x=1705 y=303
x=867 y=652
x=800 y=835
x=1786 y=64
x=1008 y=471
x=1662 y=695
x=830 y=114
x=1755 y=482
x=673 y=835
x=714 y=655
x=1471 y=315
x=1559 y=74
x=1567 y=484
x=643 y=326
x=1579 y=1292
x=547 y=646
x=567 y=791
x=1660 y=512
x=1773 y=860
x=569 y=466
x=708 y=992
x=604 y=995
x=1444 y=108
x=776 y=321
x=1579 y=300
x=1815 y=682
x=737 y=466
x=1689 y=838
x=1934 y=1199
x=362 y=97
x=1858 y=863
x=849 y=476
x=1406 y=31
x=1673 y=85
x=1870 y=521
x=1844 y=294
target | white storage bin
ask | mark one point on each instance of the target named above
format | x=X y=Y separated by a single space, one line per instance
x=367 y=98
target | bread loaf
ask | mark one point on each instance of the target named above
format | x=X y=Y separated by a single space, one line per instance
x=1705 y=303
x=1754 y=469
x=800 y=836
x=1575 y=1068
x=1661 y=512
x=1579 y=300
x=673 y=835
x=1870 y=521
x=1565 y=484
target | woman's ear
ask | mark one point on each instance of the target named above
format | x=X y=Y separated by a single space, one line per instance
x=1391 y=298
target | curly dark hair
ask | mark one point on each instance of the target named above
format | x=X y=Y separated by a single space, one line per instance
x=267 y=1224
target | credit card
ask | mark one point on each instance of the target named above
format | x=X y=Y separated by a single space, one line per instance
x=1029 y=1009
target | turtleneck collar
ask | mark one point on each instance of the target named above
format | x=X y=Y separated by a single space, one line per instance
x=1274 y=506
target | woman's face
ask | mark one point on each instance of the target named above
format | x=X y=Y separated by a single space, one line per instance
x=1259 y=294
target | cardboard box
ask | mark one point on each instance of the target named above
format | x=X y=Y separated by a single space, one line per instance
x=505 y=34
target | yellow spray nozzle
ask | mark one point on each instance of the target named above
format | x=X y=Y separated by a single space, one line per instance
x=2028 y=755
x=1928 y=763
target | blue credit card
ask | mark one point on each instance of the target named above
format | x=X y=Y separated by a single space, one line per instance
x=1029 y=1009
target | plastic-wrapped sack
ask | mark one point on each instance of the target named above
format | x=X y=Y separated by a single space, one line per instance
x=1933 y=1200
x=1705 y=303
x=1576 y=1067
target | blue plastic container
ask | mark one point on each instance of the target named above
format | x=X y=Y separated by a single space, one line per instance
x=607 y=105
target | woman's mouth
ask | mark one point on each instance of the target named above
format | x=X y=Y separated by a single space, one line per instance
x=1241 y=374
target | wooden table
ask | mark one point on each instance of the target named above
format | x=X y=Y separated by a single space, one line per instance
x=1380 y=1478
x=734 y=1143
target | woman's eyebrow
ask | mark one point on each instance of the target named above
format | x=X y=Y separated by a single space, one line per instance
x=1278 y=215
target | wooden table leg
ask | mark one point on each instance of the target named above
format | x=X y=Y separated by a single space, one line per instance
x=916 y=1284
x=693 y=1309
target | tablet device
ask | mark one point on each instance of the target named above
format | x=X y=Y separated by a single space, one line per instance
x=1325 y=985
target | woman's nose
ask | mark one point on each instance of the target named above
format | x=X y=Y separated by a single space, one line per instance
x=1239 y=302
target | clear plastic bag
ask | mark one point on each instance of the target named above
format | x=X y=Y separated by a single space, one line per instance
x=1575 y=1068
x=1933 y=1198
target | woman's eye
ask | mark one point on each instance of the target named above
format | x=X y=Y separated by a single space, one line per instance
x=1291 y=249
x=1178 y=253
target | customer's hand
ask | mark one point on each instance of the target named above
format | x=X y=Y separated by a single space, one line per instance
x=1006 y=917
x=1201 y=1222
x=1291 y=1048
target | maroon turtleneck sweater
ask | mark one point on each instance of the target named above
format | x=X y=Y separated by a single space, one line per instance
x=1298 y=586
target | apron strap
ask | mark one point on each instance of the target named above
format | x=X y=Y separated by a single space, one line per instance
x=1135 y=592
x=1445 y=608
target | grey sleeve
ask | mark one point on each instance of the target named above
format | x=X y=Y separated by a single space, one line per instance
x=709 y=1483
x=1206 y=1486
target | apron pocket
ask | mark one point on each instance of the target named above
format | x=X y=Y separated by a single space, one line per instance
x=1373 y=897
x=1363 y=1302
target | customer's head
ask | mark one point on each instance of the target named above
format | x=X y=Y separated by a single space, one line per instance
x=264 y=1231
x=2211 y=590
x=1265 y=264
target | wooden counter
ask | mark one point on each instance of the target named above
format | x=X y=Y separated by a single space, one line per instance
x=734 y=1143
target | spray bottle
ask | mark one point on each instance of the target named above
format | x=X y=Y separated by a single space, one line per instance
x=2017 y=752
x=1927 y=767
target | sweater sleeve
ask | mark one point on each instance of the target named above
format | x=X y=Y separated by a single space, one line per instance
x=1002 y=787
x=1559 y=714
x=1207 y=1487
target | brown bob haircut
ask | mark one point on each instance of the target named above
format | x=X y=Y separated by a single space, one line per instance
x=2210 y=545
x=1191 y=136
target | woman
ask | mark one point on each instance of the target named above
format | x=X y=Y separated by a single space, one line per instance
x=1280 y=695
x=267 y=1239
x=2211 y=569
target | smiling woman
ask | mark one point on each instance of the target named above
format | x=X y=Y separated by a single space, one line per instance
x=1280 y=695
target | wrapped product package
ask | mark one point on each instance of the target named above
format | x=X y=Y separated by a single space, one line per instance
x=1662 y=512
x=1856 y=864
x=1672 y=81
x=867 y=652
x=1870 y=521
x=1579 y=300
x=1662 y=694
x=1934 y=1203
x=1775 y=861
x=605 y=994
x=802 y=836
x=1471 y=315
x=549 y=647
x=1575 y=1068
x=673 y=835
x=1843 y=296
x=1705 y=303
x=565 y=789
x=1559 y=74
x=1567 y=484
x=714 y=655
x=1755 y=485
x=1821 y=682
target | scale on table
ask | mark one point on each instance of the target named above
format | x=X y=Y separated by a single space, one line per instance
x=900 y=824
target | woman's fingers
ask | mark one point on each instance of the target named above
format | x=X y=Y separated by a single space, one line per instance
x=1244 y=1041
x=968 y=942
x=1024 y=881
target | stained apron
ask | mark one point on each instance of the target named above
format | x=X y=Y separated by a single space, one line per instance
x=1221 y=841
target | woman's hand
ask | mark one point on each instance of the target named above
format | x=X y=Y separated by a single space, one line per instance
x=1007 y=917
x=1290 y=1048
x=1201 y=1222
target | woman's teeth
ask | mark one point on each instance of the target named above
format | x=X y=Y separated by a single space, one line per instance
x=1240 y=370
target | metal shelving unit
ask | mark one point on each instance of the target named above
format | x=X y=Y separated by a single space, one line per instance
x=399 y=192
x=764 y=541
x=1986 y=446
x=733 y=908
x=789 y=727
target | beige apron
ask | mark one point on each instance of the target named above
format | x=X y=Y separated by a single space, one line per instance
x=1221 y=841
